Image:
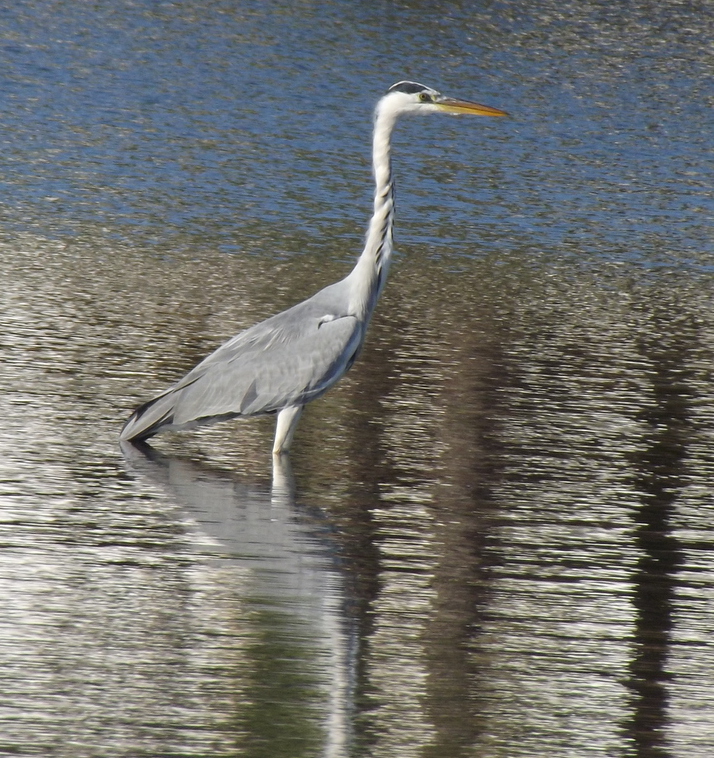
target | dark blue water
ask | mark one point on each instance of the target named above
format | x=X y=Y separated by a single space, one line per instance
x=496 y=536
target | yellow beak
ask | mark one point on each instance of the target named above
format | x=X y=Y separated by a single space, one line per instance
x=450 y=105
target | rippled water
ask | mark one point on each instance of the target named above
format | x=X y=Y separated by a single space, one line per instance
x=496 y=536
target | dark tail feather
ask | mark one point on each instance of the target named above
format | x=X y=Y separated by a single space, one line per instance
x=148 y=419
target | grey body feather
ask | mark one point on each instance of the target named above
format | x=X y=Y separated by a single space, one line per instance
x=287 y=360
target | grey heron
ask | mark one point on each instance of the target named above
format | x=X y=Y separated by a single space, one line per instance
x=284 y=362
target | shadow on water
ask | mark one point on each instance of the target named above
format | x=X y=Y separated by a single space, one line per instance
x=299 y=697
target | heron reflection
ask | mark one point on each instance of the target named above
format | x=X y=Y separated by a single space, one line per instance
x=284 y=566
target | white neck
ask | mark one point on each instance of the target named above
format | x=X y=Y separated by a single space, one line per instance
x=370 y=273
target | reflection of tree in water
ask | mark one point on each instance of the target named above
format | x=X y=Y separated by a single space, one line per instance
x=660 y=477
x=428 y=507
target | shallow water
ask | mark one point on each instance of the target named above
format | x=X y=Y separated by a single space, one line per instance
x=496 y=536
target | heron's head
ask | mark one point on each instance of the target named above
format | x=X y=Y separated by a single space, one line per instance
x=412 y=97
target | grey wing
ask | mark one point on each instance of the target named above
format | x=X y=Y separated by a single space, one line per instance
x=288 y=359
x=290 y=364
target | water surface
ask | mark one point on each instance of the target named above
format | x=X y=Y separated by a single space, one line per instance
x=496 y=536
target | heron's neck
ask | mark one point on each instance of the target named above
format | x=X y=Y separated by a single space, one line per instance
x=370 y=272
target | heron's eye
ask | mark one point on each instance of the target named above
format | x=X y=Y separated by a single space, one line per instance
x=424 y=97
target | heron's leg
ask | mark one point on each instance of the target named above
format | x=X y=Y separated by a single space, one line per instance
x=283 y=489
x=285 y=428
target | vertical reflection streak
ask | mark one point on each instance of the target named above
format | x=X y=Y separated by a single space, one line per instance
x=403 y=522
x=660 y=477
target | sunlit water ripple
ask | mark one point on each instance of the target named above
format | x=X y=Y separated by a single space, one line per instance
x=498 y=539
